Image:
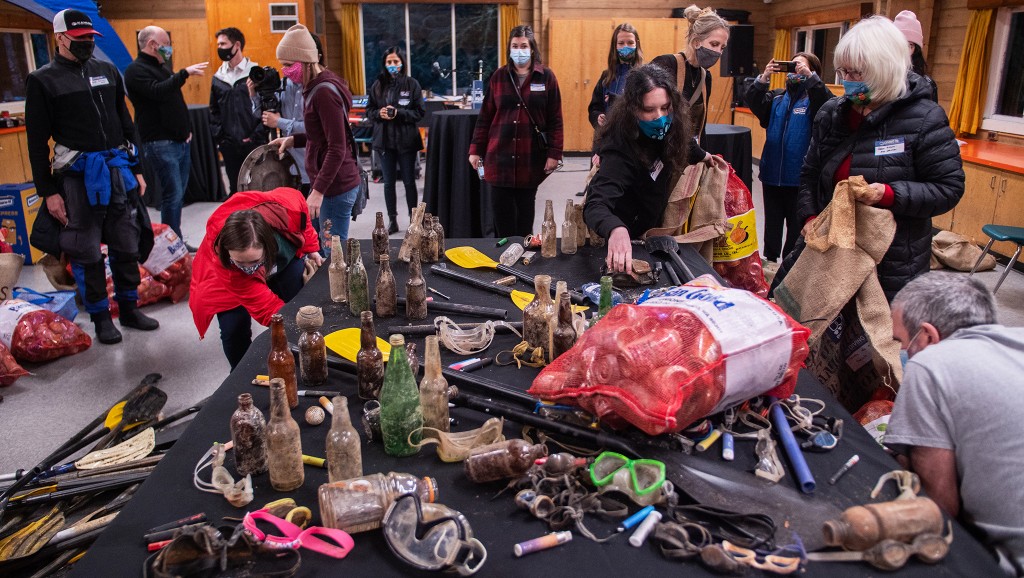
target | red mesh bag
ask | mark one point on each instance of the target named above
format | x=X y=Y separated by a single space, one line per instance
x=736 y=257
x=36 y=335
x=686 y=352
x=10 y=369
x=169 y=263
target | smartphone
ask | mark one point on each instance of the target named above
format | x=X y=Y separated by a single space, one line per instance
x=786 y=65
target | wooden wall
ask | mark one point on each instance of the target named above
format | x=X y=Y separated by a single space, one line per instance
x=17 y=17
x=191 y=44
x=154 y=9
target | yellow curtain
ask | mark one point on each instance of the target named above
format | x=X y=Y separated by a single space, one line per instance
x=508 y=18
x=782 y=51
x=971 y=76
x=351 y=49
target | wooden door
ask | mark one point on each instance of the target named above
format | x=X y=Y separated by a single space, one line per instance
x=1009 y=207
x=595 y=40
x=12 y=159
x=978 y=205
x=566 y=38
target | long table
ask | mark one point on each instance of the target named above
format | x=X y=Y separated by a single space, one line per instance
x=169 y=495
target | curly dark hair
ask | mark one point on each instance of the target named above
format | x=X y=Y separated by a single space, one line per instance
x=242 y=230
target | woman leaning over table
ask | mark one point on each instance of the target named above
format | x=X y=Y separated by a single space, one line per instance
x=515 y=160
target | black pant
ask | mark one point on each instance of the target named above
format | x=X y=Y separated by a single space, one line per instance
x=513 y=210
x=779 y=209
x=234 y=155
x=390 y=159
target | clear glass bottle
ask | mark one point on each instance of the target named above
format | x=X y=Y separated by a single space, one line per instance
x=434 y=389
x=379 y=238
x=538 y=315
x=369 y=360
x=386 y=291
x=569 y=230
x=249 y=437
x=344 y=455
x=413 y=357
x=312 y=348
x=564 y=336
x=415 y=289
x=548 y=232
x=440 y=237
x=359 y=504
x=507 y=459
x=428 y=246
x=338 y=272
x=358 y=284
x=413 y=234
x=400 y=413
x=284 y=444
x=280 y=363
x=581 y=226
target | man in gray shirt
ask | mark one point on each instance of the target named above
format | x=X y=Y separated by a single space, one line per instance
x=958 y=414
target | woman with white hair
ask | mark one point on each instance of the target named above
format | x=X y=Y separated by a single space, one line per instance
x=887 y=129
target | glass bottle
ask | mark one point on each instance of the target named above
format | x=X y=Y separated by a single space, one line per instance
x=413 y=234
x=604 y=303
x=358 y=284
x=440 y=237
x=581 y=225
x=284 y=444
x=344 y=456
x=338 y=272
x=861 y=527
x=434 y=389
x=312 y=348
x=359 y=504
x=429 y=248
x=249 y=437
x=386 y=291
x=538 y=315
x=415 y=290
x=369 y=360
x=564 y=336
x=413 y=357
x=280 y=363
x=507 y=459
x=569 y=230
x=400 y=413
x=379 y=238
x=548 y=234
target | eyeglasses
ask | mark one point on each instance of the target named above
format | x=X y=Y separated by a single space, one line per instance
x=645 y=476
x=846 y=73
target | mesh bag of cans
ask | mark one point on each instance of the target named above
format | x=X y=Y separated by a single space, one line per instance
x=681 y=354
x=35 y=335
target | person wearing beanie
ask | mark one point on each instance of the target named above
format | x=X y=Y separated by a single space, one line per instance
x=907 y=23
x=330 y=159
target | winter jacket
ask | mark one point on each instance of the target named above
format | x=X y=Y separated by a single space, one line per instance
x=330 y=162
x=625 y=192
x=231 y=118
x=504 y=135
x=605 y=94
x=399 y=133
x=788 y=115
x=160 y=108
x=698 y=110
x=216 y=288
x=906 y=144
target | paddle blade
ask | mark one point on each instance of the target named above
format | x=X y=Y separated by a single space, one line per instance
x=345 y=342
x=470 y=258
x=522 y=299
x=114 y=415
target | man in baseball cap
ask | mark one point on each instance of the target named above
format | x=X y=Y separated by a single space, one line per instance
x=74 y=23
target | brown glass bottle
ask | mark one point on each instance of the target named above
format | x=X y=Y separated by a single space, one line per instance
x=548 y=232
x=539 y=315
x=369 y=360
x=581 y=225
x=386 y=291
x=312 y=348
x=344 y=455
x=569 y=230
x=284 y=444
x=429 y=247
x=249 y=437
x=413 y=234
x=434 y=389
x=338 y=272
x=359 y=504
x=280 y=363
x=861 y=527
x=564 y=336
x=415 y=290
x=507 y=459
x=358 y=283
x=440 y=237
x=379 y=238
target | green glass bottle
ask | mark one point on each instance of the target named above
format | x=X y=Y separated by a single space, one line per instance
x=604 y=304
x=400 y=412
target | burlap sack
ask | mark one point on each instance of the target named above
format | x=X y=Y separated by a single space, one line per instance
x=695 y=213
x=10 y=270
x=959 y=253
x=833 y=289
x=57 y=273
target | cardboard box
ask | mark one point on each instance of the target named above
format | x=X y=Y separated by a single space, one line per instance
x=19 y=205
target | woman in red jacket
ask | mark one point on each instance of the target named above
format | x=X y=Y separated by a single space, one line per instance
x=250 y=263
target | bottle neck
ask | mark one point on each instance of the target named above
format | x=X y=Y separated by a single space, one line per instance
x=278 y=339
x=278 y=403
x=433 y=359
x=341 y=417
x=564 y=310
x=367 y=337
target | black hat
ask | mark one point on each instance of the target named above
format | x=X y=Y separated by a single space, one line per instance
x=73 y=23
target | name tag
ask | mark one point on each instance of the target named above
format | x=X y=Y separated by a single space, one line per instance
x=801 y=110
x=403 y=102
x=95 y=81
x=404 y=93
x=893 y=146
x=656 y=169
x=536 y=87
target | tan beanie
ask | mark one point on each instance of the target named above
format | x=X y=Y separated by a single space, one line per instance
x=297 y=46
x=909 y=25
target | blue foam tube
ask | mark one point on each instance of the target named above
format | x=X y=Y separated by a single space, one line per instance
x=796 y=457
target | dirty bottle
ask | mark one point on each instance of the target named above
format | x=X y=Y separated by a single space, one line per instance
x=564 y=336
x=358 y=284
x=434 y=389
x=284 y=446
x=338 y=272
x=548 y=233
x=249 y=437
x=379 y=238
x=440 y=237
x=538 y=316
x=415 y=289
x=501 y=460
x=386 y=292
x=400 y=413
x=861 y=527
x=280 y=363
x=312 y=348
x=359 y=504
x=344 y=455
x=569 y=230
x=369 y=360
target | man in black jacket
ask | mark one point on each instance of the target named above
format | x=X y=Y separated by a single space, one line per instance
x=235 y=129
x=162 y=116
x=93 y=187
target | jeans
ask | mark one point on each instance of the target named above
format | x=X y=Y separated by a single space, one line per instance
x=513 y=210
x=337 y=210
x=171 y=161
x=780 y=206
x=390 y=159
x=236 y=324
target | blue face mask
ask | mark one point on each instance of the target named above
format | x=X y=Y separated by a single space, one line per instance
x=520 y=56
x=656 y=129
x=857 y=91
x=795 y=79
x=394 y=69
x=626 y=52
x=247 y=269
x=165 y=52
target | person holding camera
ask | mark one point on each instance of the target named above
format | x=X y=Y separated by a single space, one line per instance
x=395 y=106
x=234 y=129
x=788 y=115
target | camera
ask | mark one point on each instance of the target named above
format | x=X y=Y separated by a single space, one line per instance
x=391 y=112
x=786 y=65
x=268 y=84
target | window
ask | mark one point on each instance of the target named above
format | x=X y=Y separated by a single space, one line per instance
x=820 y=41
x=283 y=17
x=1004 y=109
x=454 y=36
x=22 y=52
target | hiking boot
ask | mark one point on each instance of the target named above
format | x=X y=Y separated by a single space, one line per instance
x=132 y=317
x=106 y=333
x=392 y=224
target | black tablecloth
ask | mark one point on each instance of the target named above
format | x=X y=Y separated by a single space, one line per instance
x=169 y=494
x=452 y=189
x=733 y=143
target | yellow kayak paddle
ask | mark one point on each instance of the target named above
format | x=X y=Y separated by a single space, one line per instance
x=346 y=343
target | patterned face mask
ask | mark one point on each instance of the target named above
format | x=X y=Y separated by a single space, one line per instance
x=247 y=269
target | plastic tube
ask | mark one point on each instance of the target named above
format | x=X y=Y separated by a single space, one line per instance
x=792 y=448
x=646 y=527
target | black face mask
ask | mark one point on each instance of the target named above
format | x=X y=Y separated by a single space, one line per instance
x=82 y=49
x=226 y=54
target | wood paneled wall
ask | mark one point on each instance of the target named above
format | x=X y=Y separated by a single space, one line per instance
x=191 y=43
x=17 y=17
x=157 y=10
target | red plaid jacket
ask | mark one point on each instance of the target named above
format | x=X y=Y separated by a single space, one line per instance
x=504 y=135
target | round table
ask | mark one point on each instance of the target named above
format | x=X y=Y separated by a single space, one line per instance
x=733 y=143
x=452 y=190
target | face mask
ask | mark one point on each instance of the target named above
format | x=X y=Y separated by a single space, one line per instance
x=165 y=52
x=905 y=353
x=795 y=79
x=226 y=54
x=706 y=58
x=521 y=56
x=394 y=69
x=81 y=49
x=293 y=72
x=656 y=129
x=432 y=537
x=247 y=269
x=857 y=91
x=626 y=52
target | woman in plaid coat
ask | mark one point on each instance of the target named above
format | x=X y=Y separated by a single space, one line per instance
x=518 y=147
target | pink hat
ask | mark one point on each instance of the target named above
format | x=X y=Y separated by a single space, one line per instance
x=908 y=24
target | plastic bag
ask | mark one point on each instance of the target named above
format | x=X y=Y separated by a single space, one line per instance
x=36 y=335
x=736 y=257
x=686 y=352
x=60 y=302
x=10 y=369
x=169 y=264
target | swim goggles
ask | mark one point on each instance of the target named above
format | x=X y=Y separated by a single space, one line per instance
x=641 y=480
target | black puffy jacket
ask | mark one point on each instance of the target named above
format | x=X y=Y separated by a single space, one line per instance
x=401 y=133
x=927 y=178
